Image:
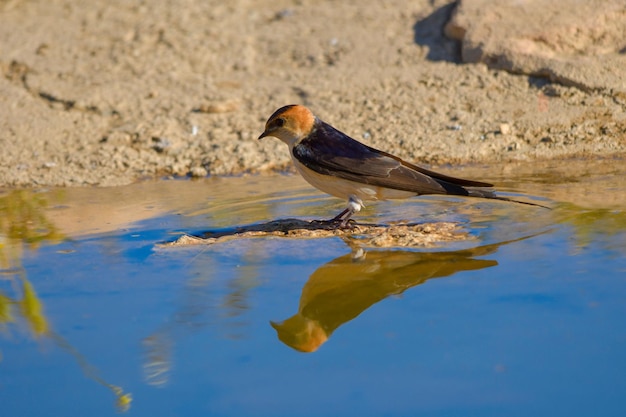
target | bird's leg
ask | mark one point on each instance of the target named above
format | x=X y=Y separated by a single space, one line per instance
x=342 y=219
x=345 y=222
x=354 y=206
x=340 y=215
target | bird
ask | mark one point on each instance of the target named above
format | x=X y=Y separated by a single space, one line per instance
x=343 y=167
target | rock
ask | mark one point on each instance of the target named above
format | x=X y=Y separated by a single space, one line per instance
x=394 y=235
x=198 y=172
x=576 y=43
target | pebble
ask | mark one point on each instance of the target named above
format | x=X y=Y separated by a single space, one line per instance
x=198 y=172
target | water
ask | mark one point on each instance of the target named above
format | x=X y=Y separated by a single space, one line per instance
x=524 y=318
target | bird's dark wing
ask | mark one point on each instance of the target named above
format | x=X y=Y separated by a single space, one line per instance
x=331 y=152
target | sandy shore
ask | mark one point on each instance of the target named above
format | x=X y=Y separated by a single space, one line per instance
x=105 y=93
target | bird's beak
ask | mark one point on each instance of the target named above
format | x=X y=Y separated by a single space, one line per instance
x=262 y=135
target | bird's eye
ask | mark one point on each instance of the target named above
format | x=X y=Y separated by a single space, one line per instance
x=279 y=122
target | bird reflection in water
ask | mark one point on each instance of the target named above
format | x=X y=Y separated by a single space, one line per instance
x=342 y=289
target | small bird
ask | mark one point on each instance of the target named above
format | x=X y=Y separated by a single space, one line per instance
x=338 y=165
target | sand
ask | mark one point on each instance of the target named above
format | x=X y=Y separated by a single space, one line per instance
x=110 y=92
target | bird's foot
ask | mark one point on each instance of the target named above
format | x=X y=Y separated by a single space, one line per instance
x=341 y=221
x=336 y=223
x=347 y=224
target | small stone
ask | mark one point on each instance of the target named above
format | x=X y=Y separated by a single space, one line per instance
x=160 y=144
x=218 y=107
x=505 y=128
x=513 y=146
x=284 y=14
x=198 y=172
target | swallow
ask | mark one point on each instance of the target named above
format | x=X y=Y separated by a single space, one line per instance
x=343 y=167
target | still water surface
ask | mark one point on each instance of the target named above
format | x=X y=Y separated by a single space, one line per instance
x=527 y=317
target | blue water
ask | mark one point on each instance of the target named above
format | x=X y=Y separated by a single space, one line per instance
x=526 y=319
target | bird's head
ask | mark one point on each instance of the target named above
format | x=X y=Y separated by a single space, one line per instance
x=289 y=124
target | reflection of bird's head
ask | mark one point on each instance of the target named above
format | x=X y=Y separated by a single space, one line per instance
x=289 y=124
x=300 y=333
